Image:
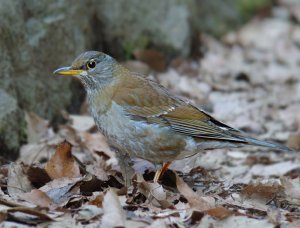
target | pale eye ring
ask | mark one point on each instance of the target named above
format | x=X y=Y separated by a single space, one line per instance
x=91 y=64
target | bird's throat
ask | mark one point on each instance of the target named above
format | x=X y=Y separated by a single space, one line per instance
x=99 y=100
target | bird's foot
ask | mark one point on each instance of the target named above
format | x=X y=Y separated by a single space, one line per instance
x=161 y=171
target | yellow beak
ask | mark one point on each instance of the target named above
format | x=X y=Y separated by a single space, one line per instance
x=67 y=71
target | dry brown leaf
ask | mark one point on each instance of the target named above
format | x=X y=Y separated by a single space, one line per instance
x=113 y=212
x=37 y=127
x=18 y=182
x=267 y=190
x=154 y=58
x=82 y=123
x=96 y=142
x=291 y=189
x=97 y=171
x=31 y=153
x=38 y=197
x=62 y=163
x=3 y=216
x=98 y=201
x=37 y=175
x=294 y=141
x=194 y=200
x=219 y=212
x=153 y=191
x=70 y=134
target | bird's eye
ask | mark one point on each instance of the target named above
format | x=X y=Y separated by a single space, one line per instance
x=91 y=64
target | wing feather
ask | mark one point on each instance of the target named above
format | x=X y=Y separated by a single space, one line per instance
x=156 y=105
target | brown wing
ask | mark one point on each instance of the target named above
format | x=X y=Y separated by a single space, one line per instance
x=144 y=100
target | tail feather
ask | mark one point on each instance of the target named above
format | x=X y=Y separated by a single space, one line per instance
x=265 y=144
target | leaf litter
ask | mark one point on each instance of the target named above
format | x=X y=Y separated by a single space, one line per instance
x=249 y=79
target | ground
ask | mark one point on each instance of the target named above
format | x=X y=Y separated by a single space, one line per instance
x=249 y=80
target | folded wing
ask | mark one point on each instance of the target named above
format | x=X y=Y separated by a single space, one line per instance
x=152 y=103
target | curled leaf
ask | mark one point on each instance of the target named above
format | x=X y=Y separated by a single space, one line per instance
x=62 y=163
x=113 y=213
x=194 y=200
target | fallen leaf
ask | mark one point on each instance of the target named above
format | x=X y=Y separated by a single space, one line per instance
x=153 y=191
x=88 y=212
x=195 y=201
x=96 y=142
x=98 y=200
x=276 y=169
x=265 y=190
x=294 y=141
x=196 y=217
x=275 y=216
x=140 y=222
x=94 y=185
x=6 y=203
x=289 y=116
x=140 y=166
x=18 y=182
x=61 y=190
x=62 y=163
x=31 y=153
x=219 y=212
x=158 y=223
x=3 y=216
x=82 y=123
x=291 y=189
x=30 y=211
x=97 y=171
x=235 y=222
x=37 y=175
x=37 y=127
x=65 y=219
x=38 y=197
x=70 y=135
x=113 y=212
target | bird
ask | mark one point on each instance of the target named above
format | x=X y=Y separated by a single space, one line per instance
x=142 y=119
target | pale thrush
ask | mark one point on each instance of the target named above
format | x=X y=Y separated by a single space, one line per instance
x=143 y=119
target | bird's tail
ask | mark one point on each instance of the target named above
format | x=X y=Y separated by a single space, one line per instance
x=265 y=143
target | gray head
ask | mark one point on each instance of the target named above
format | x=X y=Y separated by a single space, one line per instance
x=93 y=68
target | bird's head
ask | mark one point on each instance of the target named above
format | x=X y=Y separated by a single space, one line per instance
x=94 y=69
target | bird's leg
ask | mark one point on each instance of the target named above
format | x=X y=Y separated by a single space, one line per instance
x=161 y=171
x=125 y=164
